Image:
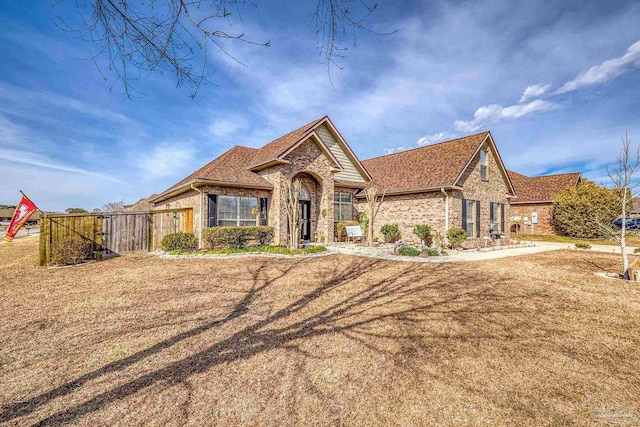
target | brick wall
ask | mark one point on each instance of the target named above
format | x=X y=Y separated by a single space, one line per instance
x=545 y=218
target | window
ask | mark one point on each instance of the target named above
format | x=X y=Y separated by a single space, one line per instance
x=483 y=164
x=342 y=207
x=467 y=216
x=236 y=211
x=496 y=214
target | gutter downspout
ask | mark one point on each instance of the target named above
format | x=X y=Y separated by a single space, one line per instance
x=446 y=212
x=201 y=215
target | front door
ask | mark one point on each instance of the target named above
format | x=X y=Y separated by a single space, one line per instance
x=305 y=214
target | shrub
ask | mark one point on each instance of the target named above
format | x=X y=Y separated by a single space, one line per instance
x=456 y=237
x=576 y=210
x=236 y=237
x=172 y=242
x=363 y=219
x=433 y=252
x=636 y=251
x=390 y=231
x=423 y=231
x=70 y=250
x=255 y=249
x=408 y=251
x=583 y=246
x=341 y=231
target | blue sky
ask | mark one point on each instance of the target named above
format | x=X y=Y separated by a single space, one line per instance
x=557 y=83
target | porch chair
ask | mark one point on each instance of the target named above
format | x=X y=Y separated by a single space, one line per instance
x=355 y=232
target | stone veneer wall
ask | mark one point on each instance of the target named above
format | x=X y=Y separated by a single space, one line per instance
x=545 y=223
x=308 y=162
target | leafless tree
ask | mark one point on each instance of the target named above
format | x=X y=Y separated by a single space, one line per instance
x=293 y=211
x=117 y=206
x=622 y=176
x=373 y=206
x=139 y=36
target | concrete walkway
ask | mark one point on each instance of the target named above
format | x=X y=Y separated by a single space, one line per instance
x=469 y=256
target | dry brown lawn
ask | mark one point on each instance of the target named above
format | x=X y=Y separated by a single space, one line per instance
x=336 y=340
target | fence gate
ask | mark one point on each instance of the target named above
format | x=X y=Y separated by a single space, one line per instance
x=124 y=232
x=168 y=222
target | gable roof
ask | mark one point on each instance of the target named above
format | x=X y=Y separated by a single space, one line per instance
x=278 y=147
x=238 y=166
x=541 y=188
x=430 y=167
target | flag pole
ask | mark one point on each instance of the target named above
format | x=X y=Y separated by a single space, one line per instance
x=27 y=197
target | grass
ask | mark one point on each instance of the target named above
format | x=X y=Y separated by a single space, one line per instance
x=633 y=239
x=254 y=249
x=340 y=340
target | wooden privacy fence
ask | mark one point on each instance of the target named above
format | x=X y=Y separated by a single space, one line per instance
x=113 y=232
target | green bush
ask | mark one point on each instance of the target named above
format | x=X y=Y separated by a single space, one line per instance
x=236 y=237
x=433 y=252
x=341 y=231
x=456 y=237
x=583 y=246
x=423 y=231
x=577 y=210
x=180 y=240
x=636 y=251
x=363 y=219
x=70 y=250
x=408 y=251
x=390 y=232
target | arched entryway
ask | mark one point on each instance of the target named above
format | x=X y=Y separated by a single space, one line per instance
x=310 y=197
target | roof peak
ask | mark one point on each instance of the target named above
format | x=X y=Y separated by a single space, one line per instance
x=429 y=145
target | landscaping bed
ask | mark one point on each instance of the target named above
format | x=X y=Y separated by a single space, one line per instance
x=271 y=250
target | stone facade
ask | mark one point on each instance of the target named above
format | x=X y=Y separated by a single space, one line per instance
x=545 y=223
x=314 y=168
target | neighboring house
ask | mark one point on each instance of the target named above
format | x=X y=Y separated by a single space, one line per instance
x=142 y=205
x=7 y=214
x=535 y=199
x=459 y=183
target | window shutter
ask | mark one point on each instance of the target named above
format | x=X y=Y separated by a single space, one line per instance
x=264 y=211
x=464 y=214
x=502 y=218
x=212 y=211
x=477 y=218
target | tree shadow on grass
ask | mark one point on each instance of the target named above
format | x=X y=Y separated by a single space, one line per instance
x=396 y=297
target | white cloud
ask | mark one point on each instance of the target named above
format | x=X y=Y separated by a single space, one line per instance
x=227 y=126
x=166 y=159
x=534 y=91
x=433 y=138
x=33 y=159
x=606 y=71
x=489 y=114
x=394 y=150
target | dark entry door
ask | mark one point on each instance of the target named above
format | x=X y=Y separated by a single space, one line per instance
x=305 y=214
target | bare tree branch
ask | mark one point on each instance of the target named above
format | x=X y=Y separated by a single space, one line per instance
x=157 y=36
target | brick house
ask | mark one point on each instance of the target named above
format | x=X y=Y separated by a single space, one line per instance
x=459 y=183
x=535 y=200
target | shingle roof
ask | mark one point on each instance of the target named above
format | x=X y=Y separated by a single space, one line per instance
x=431 y=166
x=230 y=167
x=277 y=147
x=541 y=188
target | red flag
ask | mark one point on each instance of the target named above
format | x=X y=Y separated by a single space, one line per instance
x=25 y=209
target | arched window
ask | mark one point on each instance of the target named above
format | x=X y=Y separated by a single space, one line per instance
x=304 y=192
